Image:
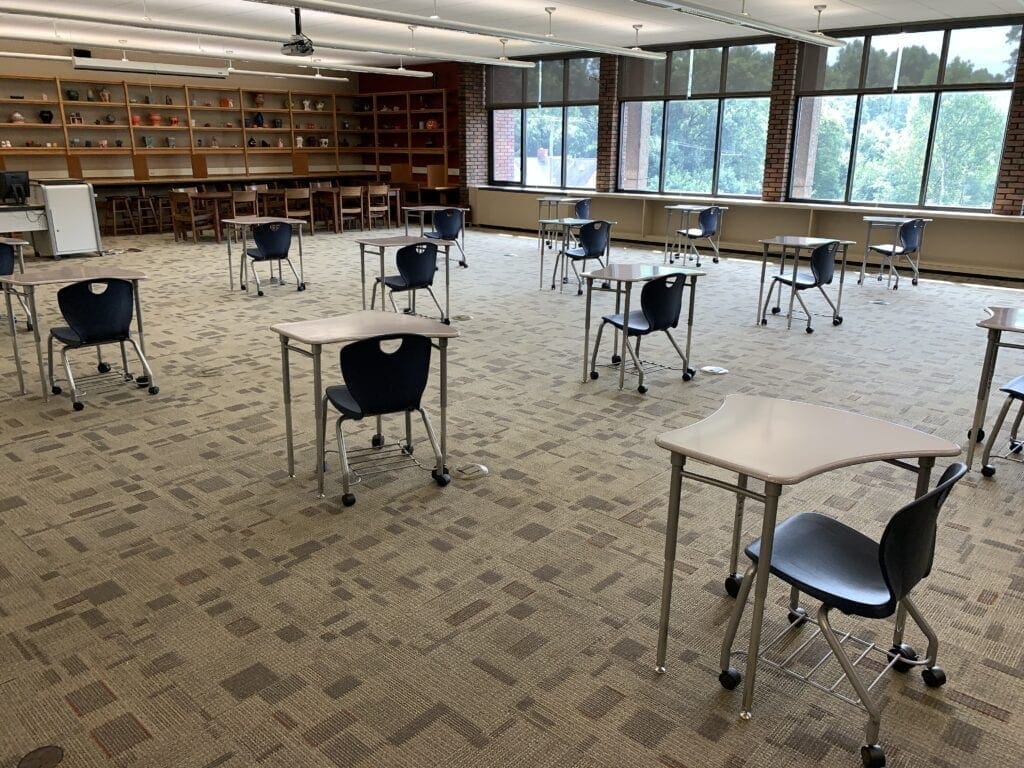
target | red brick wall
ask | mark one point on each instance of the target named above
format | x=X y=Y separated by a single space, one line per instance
x=780 y=120
x=472 y=128
x=1010 y=181
x=506 y=123
x=608 y=124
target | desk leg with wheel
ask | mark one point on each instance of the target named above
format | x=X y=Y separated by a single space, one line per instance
x=792 y=288
x=671 y=535
x=12 y=326
x=315 y=352
x=690 y=371
x=760 y=291
x=977 y=434
x=864 y=261
x=540 y=241
x=625 y=337
x=443 y=346
x=286 y=385
x=302 y=275
x=837 y=318
x=30 y=297
x=362 y=270
x=586 y=327
x=231 y=267
x=447 y=285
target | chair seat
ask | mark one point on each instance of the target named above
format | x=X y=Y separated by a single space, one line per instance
x=394 y=282
x=1015 y=388
x=887 y=249
x=830 y=562
x=803 y=280
x=434 y=235
x=691 y=233
x=257 y=255
x=342 y=399
x=638 y=325
x=66 y=336
x=578 y=254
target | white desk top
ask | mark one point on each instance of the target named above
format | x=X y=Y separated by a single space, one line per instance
x=13 y=241
x=785 y=442
x=70 y=273
x=894 y=219
x=1004 y=319
x=252 y=221
x=565 y=200
x=636 y=273
x=432 y=208
x=397 y=241
x=798 y=241
x=356 y=326
x=691 y=208
x=568 y=221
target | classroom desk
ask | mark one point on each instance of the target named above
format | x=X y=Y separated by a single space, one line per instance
x=18 y=245
x=685 y=211
x=63 y=275
x=779 y=442
x=887 y=222
x=244 y=223
x=344 y=329
x=379 y=246
x=796 y=243
x=627 y=274
x=423 y=210
x=1010 y=319
x=549 y=207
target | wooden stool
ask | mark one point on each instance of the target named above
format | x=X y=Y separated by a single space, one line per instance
x=120 y=210
x=148 y=214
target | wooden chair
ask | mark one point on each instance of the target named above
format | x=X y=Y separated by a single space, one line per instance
x=324 y=197
x=243 y=203
x=298 y=205
x=351 y=205
x=377 y=203
x=408 y=187
x=437 y=176
x=185 y=217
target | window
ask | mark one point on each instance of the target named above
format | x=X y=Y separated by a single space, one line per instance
x=908 y=118
x=696 y=123
x=544 y=123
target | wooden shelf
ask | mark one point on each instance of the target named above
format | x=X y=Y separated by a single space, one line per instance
x=27 y=101
x=103 y=127
x=81 y=103
x=32 y=151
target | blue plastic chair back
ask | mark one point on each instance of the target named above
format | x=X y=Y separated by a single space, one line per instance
x=448 y=223
x=6 y=259
x=417 y=264
x=98 y=317
x=661 y=300
x=823 y=262
x=911 y=233
x=273 y=240
x=386 y=382
x=907 y=547
x=708 y=221
x=594 y=238
x=582 y=209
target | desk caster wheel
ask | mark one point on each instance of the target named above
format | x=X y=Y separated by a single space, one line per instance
x=142 y=381
x=797 y=617
x=901 y=652
x=1016 y=446
x=730 y=678
x=616 y=359
x=837 y=320
x=764 y=321
x=809 y=329
x=300 y=287
x=78 y=406
x=103 y=367
x=895 y=286
x=407 y=450
x=447 y=321
x=377 y=441
x=154 y=390
x=441 y=479
x=988 y=470
x=872 y=756
x=732 y=585
x=914 y=281
x=934 y=677
x=879 y=278
x=348 y=499
x=642 y=389
x=552 y=286
x=129 y=377
x=593 y=375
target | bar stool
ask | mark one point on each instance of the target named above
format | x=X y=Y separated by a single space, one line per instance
x=120 y=215
x=148 y=214
x=1015 y=394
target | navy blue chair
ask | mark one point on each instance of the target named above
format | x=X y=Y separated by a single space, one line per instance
x=272 y=243
x=660 y=302
x=7 y=260
x=823 y=267
x=97 y=312
x=593 y=244
x=582 y=209
x=848 y=571
x=417 y=265
x=708 y=222
x=1014 y=391
x=448 y=225
x=909 y=235
x=377 y=383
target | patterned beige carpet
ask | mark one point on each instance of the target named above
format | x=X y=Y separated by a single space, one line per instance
x=170 y=597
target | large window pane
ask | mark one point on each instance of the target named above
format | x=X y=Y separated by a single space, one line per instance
x=904 y=59
x=640 y=78
x=750 y=68
x=506 y=86
x=967 y=147
x=741 y=156
x=507 y=144
x=821 y=153
x=842 y=69
x=891 y=144
x=696 y=71
x=544 y=82
x=640 y=145
x=581 y=147
x=690 y=151
x=982 y=55
x=544 y=147
x=584 y=78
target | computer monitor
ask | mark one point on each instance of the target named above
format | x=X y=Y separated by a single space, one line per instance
x=13 y=187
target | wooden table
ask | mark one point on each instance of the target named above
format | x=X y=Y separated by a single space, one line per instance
x=779 y=442
x=795 y=244
x=62 y=275
x=1000 y=319
x=378 y=246
x=244 y=223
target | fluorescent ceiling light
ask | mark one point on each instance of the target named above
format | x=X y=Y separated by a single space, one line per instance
x=146 y=68
x=724 y=17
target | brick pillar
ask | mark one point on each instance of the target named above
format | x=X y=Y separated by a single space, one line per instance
x=472 y=128
x=1009 y=199
x=780 y=121
x=608 y=124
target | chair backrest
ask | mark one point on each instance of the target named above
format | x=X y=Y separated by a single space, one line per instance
x=351 y=192
x=437 y=176
x=98 y=316
x=582 y=209
x=273 y=240
x=383 y=382
x=661 y=299
x=823 y=262
x=417 y=264
x=401 y=172
x=320 y=185
x=243 y=196
x=377 y=190
x=300 y=193
x=910 y=235
x=907 y=548
x=448 y=223
x=6 y=259
x=708 y=221
x=257 y=187
x=181 y=204
x=594 y=237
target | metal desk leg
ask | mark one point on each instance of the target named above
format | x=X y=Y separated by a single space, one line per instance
x=20 y=250
x=242 y=283
x=540 y=242
x=30 y=297
x=842 y=277
x=302 y=275
x=671 y=534
x=362 y=270
x=732 y=582
x=447 y=284
x=231 y=268
x=406 y=216
x=286 y=385
x=586 y=327
x=625 y=337
x=988 y=368
x=760 y=291
x=443 y=346
x=792 y=291
x=864 y=261
x=383 y=308
x=690 y=370
x=12 y=326
x=772 y=491
x=138 y=317
x=318 y=393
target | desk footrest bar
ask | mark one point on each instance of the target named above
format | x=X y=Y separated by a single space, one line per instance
x=725 y=486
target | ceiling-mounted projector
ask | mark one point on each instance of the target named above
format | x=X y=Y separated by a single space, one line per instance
x=298 y=44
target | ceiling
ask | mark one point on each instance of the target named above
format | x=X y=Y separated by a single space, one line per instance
x=608 y=22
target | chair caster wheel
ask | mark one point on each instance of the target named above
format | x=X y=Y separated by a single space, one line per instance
x=872 y=756
x=464 y=265
x=764 y=321
x=988 y=470
x=552 y=286
x=154 y=390
x=129 y=377
x=687 y=375
x=732 y=585
x=837 y=320
x=730 y=678
x=377 y=441
x=243 y=287
x=1016 y=446
x=810 y=330
x=776 y=310
x=348 y=499
x=616 y=359
x=714 y=260
x=441 y=479
x=78 y=406
x=879 y=278
x=896 y=287
x=642 y=389
x=594 y=375
x=56 y=390
x=902 y=651
x=142 y=381
x=259 y=293
x=103 y=367
x=446 y=320
x=934 y=677
x=301 y=287
x=981 y=435
x=407 y=450
x=914 y=281
x=797 y=617
x=28 y=326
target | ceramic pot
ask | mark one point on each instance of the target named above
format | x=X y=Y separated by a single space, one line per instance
x=136 y=119
x=154 y=119
x=17 y=117
x=258 y=100
x=46 y=116
x=278 y=122
x=71 y=94
x=174 y=119
x=257 y=120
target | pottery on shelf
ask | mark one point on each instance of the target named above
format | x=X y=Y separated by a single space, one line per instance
x=71 y=94
x=258 y=99
x=154 y=119
x=17 y=117
x=257 y=120
x=136 y=119
x=104 y=95
x=46 y=116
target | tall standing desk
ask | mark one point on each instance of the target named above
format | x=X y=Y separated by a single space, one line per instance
x=378 y=246
x=1010 y=319
x=886 y=222
x=308 y=338
x=790 y=246
x=779 y=442
x=244 y=223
